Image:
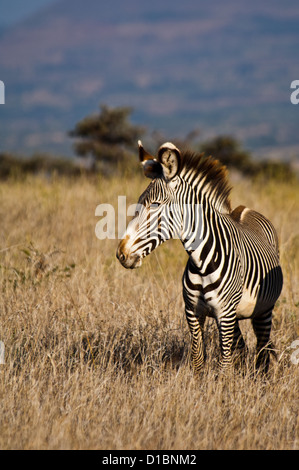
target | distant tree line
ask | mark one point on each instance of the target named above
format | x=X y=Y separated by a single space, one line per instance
x=107 y=140
x=111 y=139
x=228 y=150
x=16 y=166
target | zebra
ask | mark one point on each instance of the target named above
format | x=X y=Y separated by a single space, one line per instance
x=233 y=270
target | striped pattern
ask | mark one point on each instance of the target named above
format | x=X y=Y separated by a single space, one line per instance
x=233 y=269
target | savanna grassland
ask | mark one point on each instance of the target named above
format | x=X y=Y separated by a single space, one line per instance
x=97 y=357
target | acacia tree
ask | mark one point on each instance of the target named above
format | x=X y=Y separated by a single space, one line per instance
x=109 y=137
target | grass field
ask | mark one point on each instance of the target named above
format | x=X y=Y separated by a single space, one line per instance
x=97 y=357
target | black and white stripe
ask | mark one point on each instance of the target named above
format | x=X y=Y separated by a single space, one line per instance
x=233 y=270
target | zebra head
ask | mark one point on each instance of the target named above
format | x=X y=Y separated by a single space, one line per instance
x=155 y=220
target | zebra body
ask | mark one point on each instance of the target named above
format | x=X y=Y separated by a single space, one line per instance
x=233 y=269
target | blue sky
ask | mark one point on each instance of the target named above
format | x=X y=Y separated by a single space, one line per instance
x=13 y=11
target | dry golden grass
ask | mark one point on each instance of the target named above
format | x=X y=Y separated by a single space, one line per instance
x=96 y=357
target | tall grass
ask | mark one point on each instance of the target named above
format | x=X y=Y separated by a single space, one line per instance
x=98 y=357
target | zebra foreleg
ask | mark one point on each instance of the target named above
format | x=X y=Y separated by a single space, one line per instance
x=196 y=325
x=226 y=326
x=195 y=314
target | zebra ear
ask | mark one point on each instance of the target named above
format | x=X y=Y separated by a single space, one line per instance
x=151 y=167
x=143 y=155
x=170 y=158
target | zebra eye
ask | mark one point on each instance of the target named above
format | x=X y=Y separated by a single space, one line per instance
x=154 y=205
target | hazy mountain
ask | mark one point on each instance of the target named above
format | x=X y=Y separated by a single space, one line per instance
x=225 y=67
x=14 y=11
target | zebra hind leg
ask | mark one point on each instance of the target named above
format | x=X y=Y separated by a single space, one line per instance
x=239 y=348
x=262 y=329
x=238 y=340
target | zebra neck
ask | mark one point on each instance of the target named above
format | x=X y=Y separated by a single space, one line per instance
x=197 y=233
x=192 y=226
x=206 y=191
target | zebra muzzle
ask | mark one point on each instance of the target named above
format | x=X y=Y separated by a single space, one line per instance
x=128 y=261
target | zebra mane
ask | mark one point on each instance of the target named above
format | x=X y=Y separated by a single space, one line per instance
x=209 y=176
